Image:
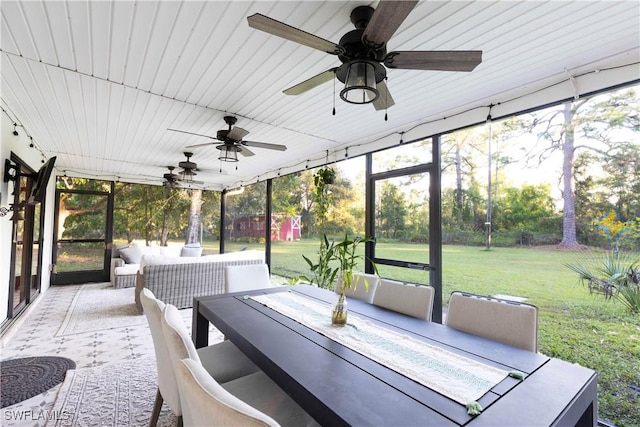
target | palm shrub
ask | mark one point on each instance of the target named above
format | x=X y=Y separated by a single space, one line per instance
x=629 y=293
x=612 y=273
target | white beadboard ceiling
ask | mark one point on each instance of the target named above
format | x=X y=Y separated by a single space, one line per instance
x=98 y=83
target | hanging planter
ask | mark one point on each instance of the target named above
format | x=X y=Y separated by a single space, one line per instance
x=324 y=176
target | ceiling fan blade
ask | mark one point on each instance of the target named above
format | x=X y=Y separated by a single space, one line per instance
x=200 y=145
x=246 y=152
x=442 y=60
x=309 y=84
x=266 y=145
x=386 y=19
x=280 y=29
x=236 y=134
x=190 y=133
x=384 y=99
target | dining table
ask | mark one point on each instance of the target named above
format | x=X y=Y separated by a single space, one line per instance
x=339 y=380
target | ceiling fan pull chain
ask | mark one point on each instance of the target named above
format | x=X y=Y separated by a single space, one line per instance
x=334 y=93
x=386 y=101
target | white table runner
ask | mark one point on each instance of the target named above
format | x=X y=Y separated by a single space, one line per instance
x=459 y=378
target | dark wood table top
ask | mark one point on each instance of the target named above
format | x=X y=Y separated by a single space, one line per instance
x=339 y=386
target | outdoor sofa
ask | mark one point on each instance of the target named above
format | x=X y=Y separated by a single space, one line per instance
x=177 y=280
x=125 y=259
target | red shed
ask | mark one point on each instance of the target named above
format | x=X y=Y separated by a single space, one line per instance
x=283 y=227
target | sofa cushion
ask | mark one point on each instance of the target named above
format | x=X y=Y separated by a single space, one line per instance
x=191 y=251
x=171 y=250
x=237 y=255
x=167 y=260
x=147 y=260
x=126 y=269
x=115 y=249
x=131 y=254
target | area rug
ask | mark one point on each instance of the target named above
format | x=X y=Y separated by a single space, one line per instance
x=26 y=377
x=98 y=307
x=110 y=395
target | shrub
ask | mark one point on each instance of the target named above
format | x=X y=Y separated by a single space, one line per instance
x=613 y=274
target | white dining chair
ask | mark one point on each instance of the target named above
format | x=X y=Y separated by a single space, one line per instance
x=363 y=287
x=257 y=401
x=205 y=402
x=223 y=359
x=409 y=299
x=509 y=322
x=167 y=386
x=239 y=278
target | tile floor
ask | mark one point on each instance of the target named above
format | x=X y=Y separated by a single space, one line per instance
x=36 y=336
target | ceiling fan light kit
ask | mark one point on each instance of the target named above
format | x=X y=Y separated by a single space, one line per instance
x=228 y=153
x=360 y=78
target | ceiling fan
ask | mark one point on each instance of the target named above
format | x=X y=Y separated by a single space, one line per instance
x=232 y=142
x=186 y=174
x=171 y=179
x=363 y=53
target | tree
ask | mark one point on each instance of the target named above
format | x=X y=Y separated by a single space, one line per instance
x=524 y=207
x=81 y=215
x=210 y=213
x=600 y=124
x=619 y=192
x=392 y=211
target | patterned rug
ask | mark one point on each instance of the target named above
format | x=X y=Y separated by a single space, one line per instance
x=98 y=307
x=26 y=377
x=110 y=395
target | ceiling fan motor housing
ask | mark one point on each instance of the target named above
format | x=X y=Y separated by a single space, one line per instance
x=222 y=134
x=356 y=51
x=361 y=15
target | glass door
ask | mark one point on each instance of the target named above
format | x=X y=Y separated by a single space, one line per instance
x=81 y=237
x=401 y=224
x=27 y=221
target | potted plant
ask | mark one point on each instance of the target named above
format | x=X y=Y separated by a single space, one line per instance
x=322 y=273
x=345 y=254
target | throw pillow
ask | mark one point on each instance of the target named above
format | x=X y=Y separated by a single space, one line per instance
x=131 y=254
x=115 y=249
x=191 y=251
